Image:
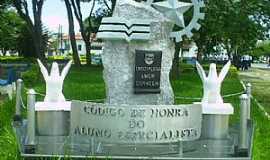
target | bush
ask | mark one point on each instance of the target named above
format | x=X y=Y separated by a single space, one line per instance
x=82 y=56
x=15 y=59
x=32 y=76
x=186 y=68
x=58 y=59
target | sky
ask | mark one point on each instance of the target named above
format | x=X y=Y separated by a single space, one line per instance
x=55 y=14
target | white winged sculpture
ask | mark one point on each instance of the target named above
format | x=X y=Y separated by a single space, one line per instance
x=212 y=83
x=54 y=81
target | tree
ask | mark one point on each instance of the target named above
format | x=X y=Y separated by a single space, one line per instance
x=34 y=27
x=236 y=24
x=87 y=27
x=24 y=39
x=175 y=71
x=261 y=50
x=4 y=4
x=76 y=5
x=75 y=54
x=10 y=27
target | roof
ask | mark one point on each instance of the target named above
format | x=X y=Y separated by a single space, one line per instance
x=79 y=37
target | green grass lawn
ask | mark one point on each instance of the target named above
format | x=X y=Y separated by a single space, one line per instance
x=87 y=83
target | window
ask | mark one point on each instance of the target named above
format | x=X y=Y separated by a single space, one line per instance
x=79 y=47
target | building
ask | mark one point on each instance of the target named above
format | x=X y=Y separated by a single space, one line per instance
x=65 y=45
x=189 y=53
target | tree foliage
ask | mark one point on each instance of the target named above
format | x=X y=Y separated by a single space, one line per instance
x=236 y=24
x=89 y=25
x=10 y=27
x=262 y=50
x=4 y=4
x=34 y=26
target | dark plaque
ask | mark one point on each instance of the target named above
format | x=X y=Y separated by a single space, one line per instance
x=147 y=72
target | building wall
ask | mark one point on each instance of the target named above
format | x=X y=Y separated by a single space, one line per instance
x=81 y=47
x=191 y=52
x=97 y=47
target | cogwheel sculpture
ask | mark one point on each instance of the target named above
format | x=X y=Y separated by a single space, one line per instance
x=194 y=24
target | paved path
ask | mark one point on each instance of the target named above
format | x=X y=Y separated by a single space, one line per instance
x=256 y=75
x=260 y=80
x=260 y=65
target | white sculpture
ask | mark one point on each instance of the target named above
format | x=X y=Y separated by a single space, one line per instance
x=212 y=83
x=173 y=10
x=54 y=81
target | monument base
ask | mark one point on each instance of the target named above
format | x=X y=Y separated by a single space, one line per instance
x=208 y=149
x=215 y=121
x=215 y=126
x=52 y=118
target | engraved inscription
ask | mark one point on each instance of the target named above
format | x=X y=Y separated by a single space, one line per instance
x=170 y=135
x=98 y=111
x=136 y=124
x=147 y=72
x=93 y=132
x=174 y=112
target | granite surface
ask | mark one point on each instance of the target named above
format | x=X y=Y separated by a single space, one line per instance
x=119 y=57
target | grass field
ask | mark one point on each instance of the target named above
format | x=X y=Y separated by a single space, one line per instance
x=87 y=83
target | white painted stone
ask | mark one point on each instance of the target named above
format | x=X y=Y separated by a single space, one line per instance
x=212 y=82
x=53 y=106
x=217 y=109
x=212 y=102
x=174 y=10
x=118 y=28
x=54 y=81
x=119 y=57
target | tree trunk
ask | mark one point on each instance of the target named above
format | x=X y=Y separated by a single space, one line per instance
x=37 y=29
x=113 y=5
x=34 y=28
x=4 y=52
x=88 y=52
x=175 y=72
x=86 y=34
x=38 y=42
x=199 y=56
x=75 y=54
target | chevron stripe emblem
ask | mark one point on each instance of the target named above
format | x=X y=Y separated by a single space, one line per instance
x=112 y=28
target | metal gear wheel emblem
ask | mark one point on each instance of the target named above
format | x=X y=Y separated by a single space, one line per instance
x=194 y=24
x=181 y=7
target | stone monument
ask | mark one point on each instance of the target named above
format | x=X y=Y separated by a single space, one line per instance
x=150 y=32
x=138 y=119
x=119 y=56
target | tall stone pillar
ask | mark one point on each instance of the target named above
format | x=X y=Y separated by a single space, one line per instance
x=119 y=56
